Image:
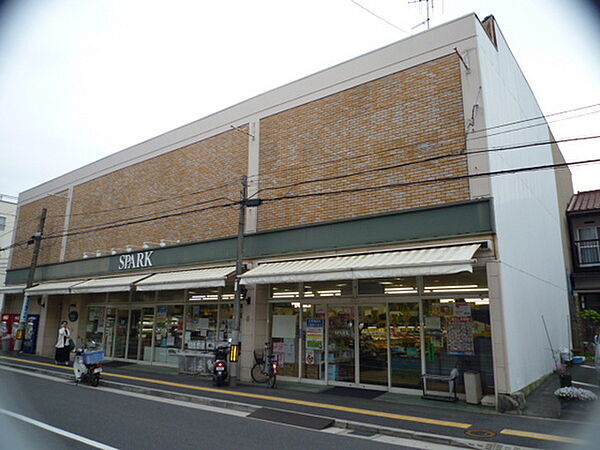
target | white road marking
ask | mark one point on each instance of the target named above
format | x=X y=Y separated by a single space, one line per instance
x=585 y=384
x=55 y=430
x=216 y=409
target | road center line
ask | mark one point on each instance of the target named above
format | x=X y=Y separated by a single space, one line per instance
x=365 y=412
x=542 y=436
x=55 y=430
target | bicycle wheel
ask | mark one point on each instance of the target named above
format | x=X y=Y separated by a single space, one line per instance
x=258 y=375
x=272 y=380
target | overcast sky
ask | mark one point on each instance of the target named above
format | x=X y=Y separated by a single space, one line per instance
x=80 y=80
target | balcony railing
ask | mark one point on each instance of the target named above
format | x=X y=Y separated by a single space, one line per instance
x=587 y=252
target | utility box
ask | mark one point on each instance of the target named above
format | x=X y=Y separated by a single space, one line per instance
x=473 y=391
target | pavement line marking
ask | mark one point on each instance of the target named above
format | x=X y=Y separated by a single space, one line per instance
x=543 y=436
x=366 y=412
x=55 y=430
x=585 y=384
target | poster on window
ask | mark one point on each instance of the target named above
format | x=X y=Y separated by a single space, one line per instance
x=460 y=336
x=314 y=333
x=284 y=326
x=462 y=309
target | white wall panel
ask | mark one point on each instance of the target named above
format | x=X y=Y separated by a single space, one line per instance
x=527 y=219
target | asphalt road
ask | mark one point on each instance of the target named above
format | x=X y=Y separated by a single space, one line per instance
x=127 y=422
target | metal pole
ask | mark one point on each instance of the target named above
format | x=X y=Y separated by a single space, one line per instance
x=235 y=337
x=30 y=277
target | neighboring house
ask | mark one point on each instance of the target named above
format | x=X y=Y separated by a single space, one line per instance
x=8 y=210
x=583 y=214
x=382 y=250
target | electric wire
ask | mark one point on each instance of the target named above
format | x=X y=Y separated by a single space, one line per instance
x=461 y=153
x=342 y=191
x=295 y=167
x=379 y=17
x=263 y=174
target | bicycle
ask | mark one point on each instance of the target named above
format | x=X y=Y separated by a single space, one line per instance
x=264 y=369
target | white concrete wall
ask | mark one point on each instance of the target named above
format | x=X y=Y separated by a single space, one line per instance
x=528 y=220
x=8 y=210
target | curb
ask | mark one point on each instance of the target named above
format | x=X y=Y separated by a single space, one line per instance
x=249 y=408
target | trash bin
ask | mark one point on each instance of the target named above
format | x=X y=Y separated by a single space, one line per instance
x=6 y=344
x=473 y=391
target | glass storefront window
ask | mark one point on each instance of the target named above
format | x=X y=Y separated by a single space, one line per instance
x=388 y=286
x=284 y=290
x=147 y=327
x=168 y=333
x=109 y=329
x=177 y=295
x=473 y=283
x=328 y=289
x=225 y=321
x=118 y=297
x=228 y=292
x=203 y=295
x=201 y=327
x=284 y=337
x=340 y=350
x=373 y=345
x=143 y=296
x=458 y=335
x=95 y=324
x=405 y=345
x=313 y=345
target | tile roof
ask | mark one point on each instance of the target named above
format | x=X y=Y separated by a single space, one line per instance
x=584 y=201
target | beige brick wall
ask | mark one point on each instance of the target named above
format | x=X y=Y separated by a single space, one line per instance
x=217 y=161
x=405 y=116
x=28 y=222
x=418 y=112
x=205 y=165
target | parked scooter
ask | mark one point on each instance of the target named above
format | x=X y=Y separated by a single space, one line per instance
x=87 y=364
x=220 y=372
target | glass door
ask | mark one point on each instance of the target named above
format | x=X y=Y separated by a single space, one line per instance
x=147 y=327
x=405 y=345
x=373 y=345
x=120 y=344
x=135 y=326
x=341 y=335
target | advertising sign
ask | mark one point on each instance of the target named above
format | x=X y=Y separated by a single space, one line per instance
x=314 y=333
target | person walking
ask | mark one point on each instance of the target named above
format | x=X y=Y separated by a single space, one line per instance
x=62 y=345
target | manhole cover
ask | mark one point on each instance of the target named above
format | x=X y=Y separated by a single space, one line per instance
x=480 y=433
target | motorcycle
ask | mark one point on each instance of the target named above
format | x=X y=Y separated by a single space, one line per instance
x=220 y=372
x=87 y=365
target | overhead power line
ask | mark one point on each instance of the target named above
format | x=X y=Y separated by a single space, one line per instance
x=325 y=179
x=434 y=180
x=340 y=191
x=263 y=174
x=462 y=153
x=64 y=232
x=379 y=17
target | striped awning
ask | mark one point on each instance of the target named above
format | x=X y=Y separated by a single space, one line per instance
x=426 y=261
x=53 y=288
x=108 y=284
x=186 y=279
x=16 y=289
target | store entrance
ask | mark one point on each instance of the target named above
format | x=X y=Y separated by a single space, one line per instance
x=373 y=345
x=133 y=333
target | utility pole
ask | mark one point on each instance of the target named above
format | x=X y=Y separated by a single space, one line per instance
x=235 y=337
x=37 y=239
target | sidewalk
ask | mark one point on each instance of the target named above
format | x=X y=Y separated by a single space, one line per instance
x=385 y=411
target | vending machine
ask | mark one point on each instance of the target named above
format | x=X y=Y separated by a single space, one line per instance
x=9 y=324
x=31 y=332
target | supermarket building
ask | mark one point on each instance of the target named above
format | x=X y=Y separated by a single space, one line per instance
x=375 y=257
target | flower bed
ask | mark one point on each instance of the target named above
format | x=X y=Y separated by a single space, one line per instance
x=575 y=394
